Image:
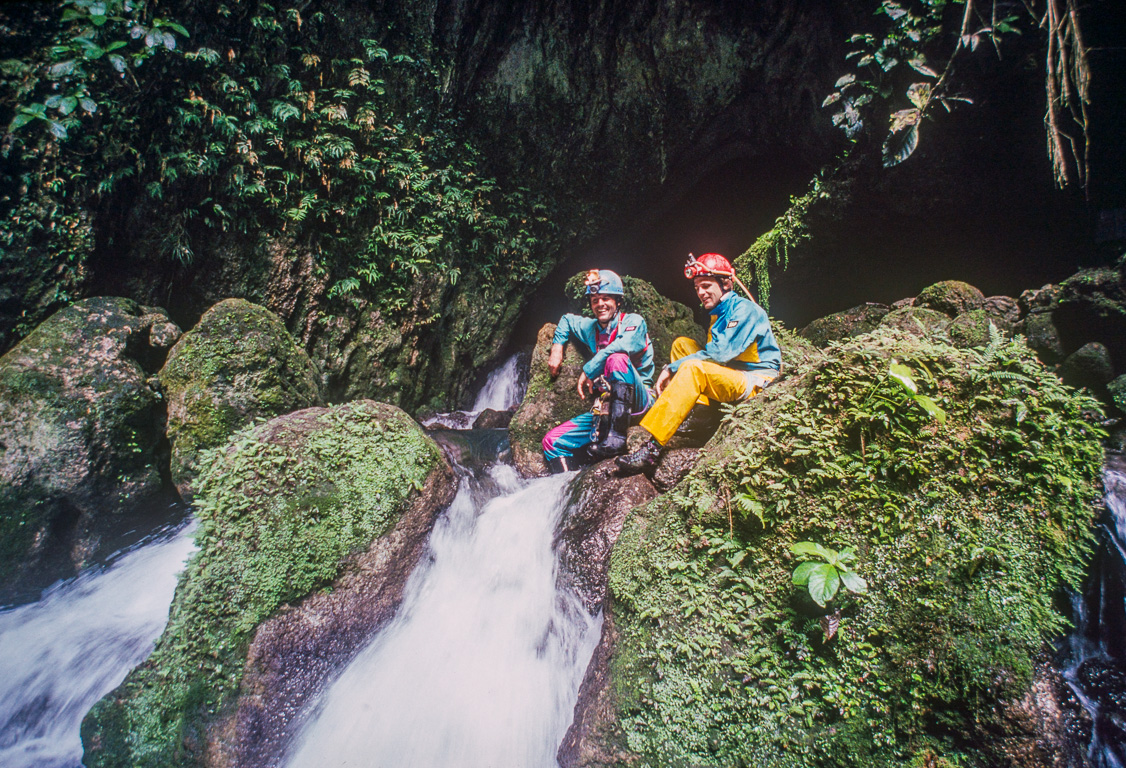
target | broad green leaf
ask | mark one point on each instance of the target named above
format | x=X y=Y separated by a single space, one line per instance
x=67 y=105
x=57 y=129
x=854 y=582
x=902 y=374
x=904 y=118
x=801 y=573
x=812 y=548
x=824 y=582
x=88 y=104
x=831 y=98
x=21 y=120
x=845 y=80
x=919 y=65
x=931 y=407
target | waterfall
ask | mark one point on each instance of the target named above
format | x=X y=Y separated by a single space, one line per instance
x=1094 y=656
x=76 y=644
x=503 y=390
x=482 y=664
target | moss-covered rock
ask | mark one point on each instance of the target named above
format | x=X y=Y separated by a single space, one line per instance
x=236 y=365
x=80 y=425
x=309 y=525
x=972 y=329
x=1043 y=336
x=965 y=528
x=1117 y=390
x=1089 y=366
x=951 y=297
x=915 y=320
x=846 y=324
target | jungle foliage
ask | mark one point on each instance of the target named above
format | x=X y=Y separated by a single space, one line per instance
x=906 y=67
x=258 y=120
x=959 y=531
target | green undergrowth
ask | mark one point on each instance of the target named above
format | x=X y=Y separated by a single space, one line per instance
x=280 y=508
x=970 y=503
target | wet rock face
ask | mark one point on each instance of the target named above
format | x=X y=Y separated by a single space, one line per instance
x=237 y=364
x=586 y=537
x=80 y=425
x=310 y=524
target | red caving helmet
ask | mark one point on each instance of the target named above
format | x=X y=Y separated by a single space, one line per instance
x=708 y=264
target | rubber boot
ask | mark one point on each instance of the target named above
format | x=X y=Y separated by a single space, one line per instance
x=644 y=459
x=699 y=426
x=613 y=441
x=561 y=464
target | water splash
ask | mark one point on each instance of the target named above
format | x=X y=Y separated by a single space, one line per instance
x=481 y=667
x=59 y=655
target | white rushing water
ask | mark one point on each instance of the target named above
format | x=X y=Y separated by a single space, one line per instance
x=482 y=664
x=59 y=655
x=503 y=390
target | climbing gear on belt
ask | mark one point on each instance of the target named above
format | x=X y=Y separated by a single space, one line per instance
x=613 y=425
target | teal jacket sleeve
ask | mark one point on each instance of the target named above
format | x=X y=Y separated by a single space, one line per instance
x=735 y=328
x=632 y=337
x=566 y=328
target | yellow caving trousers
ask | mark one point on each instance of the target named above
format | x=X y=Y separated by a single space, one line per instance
x=696 y=381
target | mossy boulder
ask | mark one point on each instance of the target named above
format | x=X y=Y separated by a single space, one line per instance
x=846 y=324
x=1089 y=366
x=80 y=426
x=917 y=321
x=1043 y=336
x=1117 y=390
x=951 y=297
x=309 y=525
x=236 y=365
x=972 y=329
x=966 y=523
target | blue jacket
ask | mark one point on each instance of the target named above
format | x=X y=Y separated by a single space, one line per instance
x=739 y=337
x=626 y=333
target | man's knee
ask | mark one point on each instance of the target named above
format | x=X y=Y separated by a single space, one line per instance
x=617 y=363
x=682 y=346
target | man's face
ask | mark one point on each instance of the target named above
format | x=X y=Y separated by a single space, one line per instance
x=709 y=290
x=603 y=307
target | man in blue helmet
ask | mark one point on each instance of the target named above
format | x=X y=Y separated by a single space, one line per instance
x=618 y=372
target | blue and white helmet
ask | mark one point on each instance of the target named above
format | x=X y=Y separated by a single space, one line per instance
x=605 y=282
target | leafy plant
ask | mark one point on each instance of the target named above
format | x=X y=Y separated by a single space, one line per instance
x=824 y=579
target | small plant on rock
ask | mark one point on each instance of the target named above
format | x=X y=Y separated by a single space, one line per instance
x=824 y=579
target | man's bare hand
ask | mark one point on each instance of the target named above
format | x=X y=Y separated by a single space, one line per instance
x=584 y=386
x=662 y=381
x=555 y=359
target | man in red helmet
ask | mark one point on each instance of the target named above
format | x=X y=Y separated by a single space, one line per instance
x=740 y=358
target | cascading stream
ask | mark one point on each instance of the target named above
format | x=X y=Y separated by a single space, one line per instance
x=1094 y=656
x=482 y=664
x=59 y=655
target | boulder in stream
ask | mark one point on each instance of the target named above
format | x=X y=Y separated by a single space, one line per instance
x=236 y=365
x=80 y=427
x=711 y=655
x=309 y=527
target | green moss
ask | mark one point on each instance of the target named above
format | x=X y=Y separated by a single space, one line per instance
x=965 y=531
x=280 y=508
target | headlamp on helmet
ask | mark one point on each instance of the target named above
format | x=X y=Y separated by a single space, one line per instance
x=710 y=264
x=605 y=282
